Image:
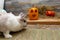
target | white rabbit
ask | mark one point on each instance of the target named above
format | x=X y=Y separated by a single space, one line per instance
x=10 y=22
x=2 y=11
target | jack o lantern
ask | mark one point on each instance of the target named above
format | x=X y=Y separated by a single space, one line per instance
x=33 y=14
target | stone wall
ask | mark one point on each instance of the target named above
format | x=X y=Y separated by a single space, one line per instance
x=16 y=6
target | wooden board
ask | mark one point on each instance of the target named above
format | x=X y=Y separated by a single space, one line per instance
x=45 y=21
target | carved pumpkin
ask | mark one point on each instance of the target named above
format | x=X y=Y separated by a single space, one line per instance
x=33 y=14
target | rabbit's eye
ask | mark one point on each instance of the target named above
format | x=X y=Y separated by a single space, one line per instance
x=24 y=20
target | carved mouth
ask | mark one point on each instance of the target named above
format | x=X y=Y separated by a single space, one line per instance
x=33 y=15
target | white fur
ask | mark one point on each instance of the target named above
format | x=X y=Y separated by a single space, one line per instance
x=10 y=22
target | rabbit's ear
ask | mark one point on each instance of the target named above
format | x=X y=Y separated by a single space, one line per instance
x=21 y=14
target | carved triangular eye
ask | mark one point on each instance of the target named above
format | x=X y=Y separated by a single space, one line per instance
x=35 y=10
x=31 y=11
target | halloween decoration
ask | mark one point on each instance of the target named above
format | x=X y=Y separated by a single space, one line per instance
x=50 y=13
x=33 y=13
x=43 y=9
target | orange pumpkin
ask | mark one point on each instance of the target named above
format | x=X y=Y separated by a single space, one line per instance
x=33 y=13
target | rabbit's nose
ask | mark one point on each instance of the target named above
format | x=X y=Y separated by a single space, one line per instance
x=25 y=25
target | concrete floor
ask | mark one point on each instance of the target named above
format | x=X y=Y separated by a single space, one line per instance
x=33 y=33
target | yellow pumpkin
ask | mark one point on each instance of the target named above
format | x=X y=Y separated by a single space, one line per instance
x=33 y=13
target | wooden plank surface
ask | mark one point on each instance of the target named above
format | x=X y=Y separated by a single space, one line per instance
x=45 y=21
